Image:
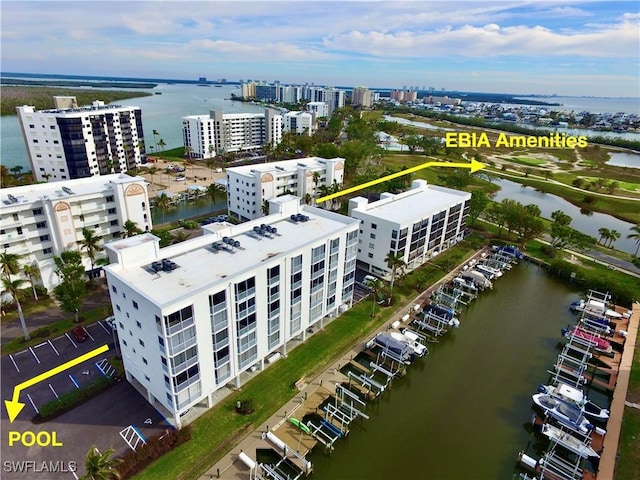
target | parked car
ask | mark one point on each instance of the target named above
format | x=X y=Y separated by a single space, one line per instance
x=181 y=178
x=80 y=334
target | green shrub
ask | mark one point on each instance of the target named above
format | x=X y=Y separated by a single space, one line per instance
x=69 y=400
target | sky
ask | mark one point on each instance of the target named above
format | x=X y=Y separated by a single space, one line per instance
x=524 y=47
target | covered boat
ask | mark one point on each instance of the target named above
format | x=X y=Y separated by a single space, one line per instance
x=600 y=344
x=576 y=397
x=564 y=412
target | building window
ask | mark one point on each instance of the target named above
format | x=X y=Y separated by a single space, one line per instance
x=141 y=342
x=374 y=226
x=109 y=198
x=38 y=211
x=46 y=250
x=118 y=308
x=15 y=216
x=138 y=324
x=44 y=238
x=370 y=255
x=41 y=225
x=373 y=235
x=135 y=304
x=124 y=295
x=124 y=342
x=113 y=222
x=111 y=211
x=114 y=289
x=144 y=360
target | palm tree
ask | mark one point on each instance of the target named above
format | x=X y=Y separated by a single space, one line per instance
x=152 y=171
x=100 y=466
x=395 y=262
x=9 y=263
x=33 y=274
x=604 y=234
x=90 y=243
x=613 y=236
x=265 y=207
x=213 y=190
x=161 y=144
x=162 y=202
x=316 y=179
x=308 y=198
x=155 y=141
x=211 y=149
x=635 y=235
x=376 y=286
x=13 y=287
x=131 y=228
x=46 y=177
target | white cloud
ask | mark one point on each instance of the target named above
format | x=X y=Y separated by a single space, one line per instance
x=620 y=40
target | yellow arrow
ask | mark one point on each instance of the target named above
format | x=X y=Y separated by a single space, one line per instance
x=474 y=166
x=14 y=406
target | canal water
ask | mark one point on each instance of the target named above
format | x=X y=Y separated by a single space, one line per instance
x=588 y=223
x=185 y=210
x=463 y=411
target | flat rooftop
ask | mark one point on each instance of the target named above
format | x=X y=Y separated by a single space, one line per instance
x=415 y=203
x=62 y=189
x=285 y=166
x=199 y=266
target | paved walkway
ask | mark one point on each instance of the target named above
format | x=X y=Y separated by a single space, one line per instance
x=12 y=330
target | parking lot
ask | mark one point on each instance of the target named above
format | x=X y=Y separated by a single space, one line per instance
x=112 y=411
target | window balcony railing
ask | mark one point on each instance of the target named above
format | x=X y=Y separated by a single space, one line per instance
x=184 y=365
x=188 y=382
x=175 y=349
x=178 y=327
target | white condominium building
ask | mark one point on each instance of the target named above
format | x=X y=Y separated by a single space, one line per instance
x=209 y=135
x=300 y=123
x=41 y=221
x=195 y=316
x=362 y=97
x=77 y=142
x=248 y=186
x=320 y=109
x=416 y=224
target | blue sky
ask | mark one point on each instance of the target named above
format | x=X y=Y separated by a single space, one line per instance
x=561 y=47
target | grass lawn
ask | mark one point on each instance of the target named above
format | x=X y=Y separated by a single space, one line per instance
x=532 y=162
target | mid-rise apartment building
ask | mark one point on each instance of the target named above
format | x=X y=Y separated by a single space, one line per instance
x=72 y=142
x=196 y=316
x=319 y=109
x=250 y=185
x=206 y=136
x=416 y=225
x=41 y=221
x=300 y=123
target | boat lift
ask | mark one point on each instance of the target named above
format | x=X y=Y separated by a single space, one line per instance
x=432 y=323
x=554 y=466
x=322 y=436
x=372 y=385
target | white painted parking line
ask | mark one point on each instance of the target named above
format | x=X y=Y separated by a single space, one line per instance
x=74 y=381
x=92 y=339
x=14 y=363
x=54 y=348
x=72 y=342
x=73 y=472
x=54 y=392
x=105 y=328
x=34 y=354
x=32 y=404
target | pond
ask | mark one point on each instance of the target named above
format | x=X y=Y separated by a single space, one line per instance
x=623 y=159
x=588 y=223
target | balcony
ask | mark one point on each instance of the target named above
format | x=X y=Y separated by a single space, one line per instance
x=175 y=349
x=177 y=327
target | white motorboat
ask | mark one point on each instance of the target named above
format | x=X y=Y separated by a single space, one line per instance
x=418 y=349
x=568 y=441
x=575 y=397
x=564 y=412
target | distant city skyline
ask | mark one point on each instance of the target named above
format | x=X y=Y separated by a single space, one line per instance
x=537 y=47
